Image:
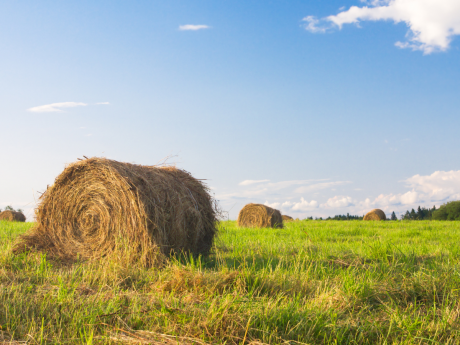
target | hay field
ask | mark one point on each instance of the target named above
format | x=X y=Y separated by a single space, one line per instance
x=313 y=282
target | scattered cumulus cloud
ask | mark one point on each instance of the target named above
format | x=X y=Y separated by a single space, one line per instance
x=435 y=189
x=290 y=206
x=190 y=27
x=317 y=197
x=339 y=202
x=55 y=107
x=432 y=23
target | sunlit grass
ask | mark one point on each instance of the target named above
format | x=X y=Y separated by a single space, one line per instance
x=314 y=282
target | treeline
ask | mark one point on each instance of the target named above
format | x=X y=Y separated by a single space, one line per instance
x=9 y=208
x=422 y=213
x=345 y=217
x=448 y=211
x=338 y=217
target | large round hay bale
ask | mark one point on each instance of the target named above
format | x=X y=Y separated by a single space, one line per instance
x=259 y=216
x=99 y=207
x=287 y=218
x=375 y=214
x=12 y=216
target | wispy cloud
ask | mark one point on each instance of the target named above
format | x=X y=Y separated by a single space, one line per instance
x=55 y=107
x=249 y=182
x=315 y=25
x=191 y=27
x=432 y=23
x=105 y=103
x=320 y=186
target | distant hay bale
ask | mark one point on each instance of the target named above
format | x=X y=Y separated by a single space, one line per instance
x=375 y=214
x=287 y=218
x=12 y=216
x=259 y=216
x=99 y=207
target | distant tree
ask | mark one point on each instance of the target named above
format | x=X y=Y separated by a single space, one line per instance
x=421 y=214
x=449 y=211
x=406 y=216
x=393 y=216
x=9 y=208
x=345 y=217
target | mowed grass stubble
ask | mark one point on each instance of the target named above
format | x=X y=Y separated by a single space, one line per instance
x=313 y=282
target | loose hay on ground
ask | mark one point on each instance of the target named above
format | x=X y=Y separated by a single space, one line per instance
x=99 y=207
x=375 y=214
x=12 y=216
x=259 y=216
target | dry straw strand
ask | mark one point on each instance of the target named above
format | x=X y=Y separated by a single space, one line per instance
x=259 y=216
x=375 y=214
x=99 y=207
x=12 y=216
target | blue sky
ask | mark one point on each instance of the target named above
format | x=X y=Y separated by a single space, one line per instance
x=315 y=108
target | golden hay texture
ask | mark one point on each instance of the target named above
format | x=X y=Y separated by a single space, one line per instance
x=99 y=207
x=375 y=214
x=259 y=216
x=12 y=216
x=287 y=218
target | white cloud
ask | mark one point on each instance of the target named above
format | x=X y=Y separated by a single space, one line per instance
x=429 y=190
x=339 y=202
x=319 y=186
x=304 y=205
x=289 y=206
x=190 y=27
x=313 y=25
x=55 y=107
x=432 y=23
x=103 y=103
x=439 y=186
x=249 y=182
x=423 y=190
x=273 y=204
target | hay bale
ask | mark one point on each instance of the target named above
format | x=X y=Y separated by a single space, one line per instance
x=99 y=207
x=287 y=218
x=12 y=216
x=375 y=214
x=259 y=216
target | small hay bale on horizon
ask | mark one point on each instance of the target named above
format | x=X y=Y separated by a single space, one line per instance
x=99 y=207
x=259 y=216
x=375 y=214
x=12 y=216
x=287 y=218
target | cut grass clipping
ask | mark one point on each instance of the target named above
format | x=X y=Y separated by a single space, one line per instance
x=375 y=214
x=259 y=216
x=99 y=207
x=12 y=216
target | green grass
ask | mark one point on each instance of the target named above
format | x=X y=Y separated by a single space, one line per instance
x=314 y=282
